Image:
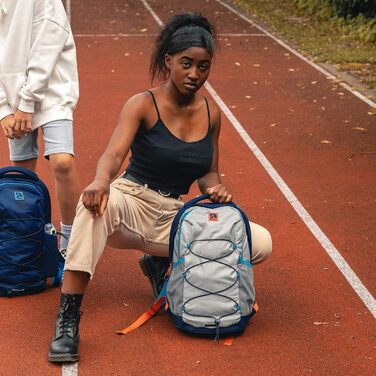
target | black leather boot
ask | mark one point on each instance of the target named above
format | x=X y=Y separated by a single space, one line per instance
x=155 y=268
x=64 y=345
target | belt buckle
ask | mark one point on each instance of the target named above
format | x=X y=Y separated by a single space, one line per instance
x=164 y=194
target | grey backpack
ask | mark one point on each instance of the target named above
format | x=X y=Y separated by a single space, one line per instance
x=210 y=289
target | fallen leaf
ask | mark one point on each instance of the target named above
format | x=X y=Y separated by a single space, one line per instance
x=325 y=142
x=248 y=96
x=238 y=64
x=273 y=125
x=313 y=82
x=363 y=130
x=143 y=30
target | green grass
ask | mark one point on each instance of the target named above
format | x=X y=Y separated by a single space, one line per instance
x=350 y=44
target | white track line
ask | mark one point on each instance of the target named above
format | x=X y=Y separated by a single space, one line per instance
x=329 y=247
x=296 y=53
x=69 y=369
x=154 y=15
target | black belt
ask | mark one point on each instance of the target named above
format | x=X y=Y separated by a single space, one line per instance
x=162 y=193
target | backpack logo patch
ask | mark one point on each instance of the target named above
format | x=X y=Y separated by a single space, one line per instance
x=19 y=196
x=213 y=216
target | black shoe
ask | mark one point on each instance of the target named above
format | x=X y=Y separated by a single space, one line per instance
x=64 y=345
x=155 y=268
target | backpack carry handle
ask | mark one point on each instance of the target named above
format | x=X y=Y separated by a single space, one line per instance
x=197 y=199
x=206 y=196
x=21 y=172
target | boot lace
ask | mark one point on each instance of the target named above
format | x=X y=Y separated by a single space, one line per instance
x=69 y=319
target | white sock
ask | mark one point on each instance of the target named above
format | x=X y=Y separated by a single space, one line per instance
x=65 y=230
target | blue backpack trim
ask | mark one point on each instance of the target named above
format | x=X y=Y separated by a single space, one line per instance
x=233 y=329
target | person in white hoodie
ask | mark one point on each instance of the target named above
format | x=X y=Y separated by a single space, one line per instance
x=39 y=90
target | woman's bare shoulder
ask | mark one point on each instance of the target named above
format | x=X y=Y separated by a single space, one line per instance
x=140 y=103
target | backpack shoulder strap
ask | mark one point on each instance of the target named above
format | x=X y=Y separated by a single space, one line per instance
x=159 y=303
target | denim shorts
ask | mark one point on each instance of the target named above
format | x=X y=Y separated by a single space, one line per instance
x=57 y=138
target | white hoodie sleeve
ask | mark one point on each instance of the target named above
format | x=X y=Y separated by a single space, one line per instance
x=50 y=31
x=5 y=109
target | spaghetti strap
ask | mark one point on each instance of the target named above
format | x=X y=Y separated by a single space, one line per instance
x=155 y=104
x=207 y=107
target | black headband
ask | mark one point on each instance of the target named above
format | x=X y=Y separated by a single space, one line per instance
x=191 y=36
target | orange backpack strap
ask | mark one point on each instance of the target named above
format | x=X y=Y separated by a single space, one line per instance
x=154 y=309
x=228 y=341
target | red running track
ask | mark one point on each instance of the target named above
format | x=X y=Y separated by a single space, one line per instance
x=311 y=321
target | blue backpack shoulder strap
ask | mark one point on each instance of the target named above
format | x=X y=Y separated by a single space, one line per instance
x=247 y=229
x=179 y=214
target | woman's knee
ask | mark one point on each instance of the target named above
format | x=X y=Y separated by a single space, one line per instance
x=261 y=243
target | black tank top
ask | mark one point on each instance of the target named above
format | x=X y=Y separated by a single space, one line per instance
x=164 y=161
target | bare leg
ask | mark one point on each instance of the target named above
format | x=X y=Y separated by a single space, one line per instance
x=75 y=282
x=67 y=185
x=30 y=164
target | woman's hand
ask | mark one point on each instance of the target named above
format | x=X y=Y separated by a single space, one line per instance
x=219 y=194
x=95 y=197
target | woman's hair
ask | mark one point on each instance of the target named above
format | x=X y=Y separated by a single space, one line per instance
x=182 y=31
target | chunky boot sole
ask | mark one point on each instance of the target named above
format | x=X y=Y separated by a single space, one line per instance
x=146 y=272
x=58 y=358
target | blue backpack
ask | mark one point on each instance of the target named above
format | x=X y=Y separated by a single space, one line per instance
x=210 y=286
x=28 y=253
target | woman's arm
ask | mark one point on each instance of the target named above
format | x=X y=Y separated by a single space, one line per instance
x=211 y=182
x=95 y=195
